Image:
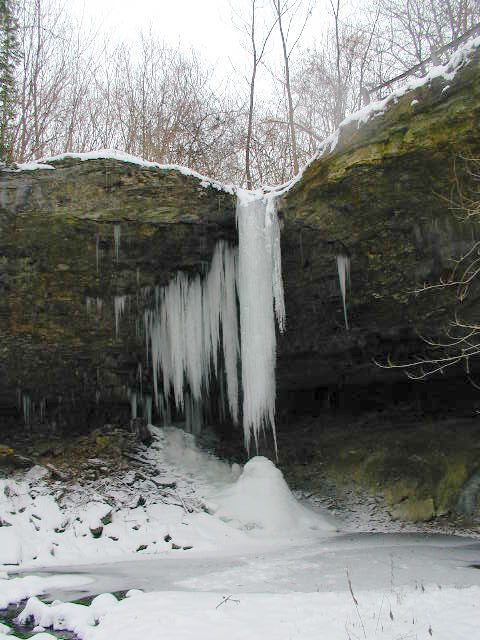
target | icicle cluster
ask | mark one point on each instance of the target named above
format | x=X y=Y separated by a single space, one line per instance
x=260 y=291
x=194 y=320
x=184 y=330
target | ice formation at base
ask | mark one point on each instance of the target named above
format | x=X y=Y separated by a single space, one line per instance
x=192 y=332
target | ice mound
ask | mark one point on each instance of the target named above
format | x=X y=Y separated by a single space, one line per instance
x=260 y=499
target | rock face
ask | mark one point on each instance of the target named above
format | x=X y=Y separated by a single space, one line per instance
x=83 y=241
x=382 y=197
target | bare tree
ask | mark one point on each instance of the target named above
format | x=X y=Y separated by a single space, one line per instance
x=461 y=340
x=257 y=34
x=412 y=29
x=9 y=56
x=286 y=10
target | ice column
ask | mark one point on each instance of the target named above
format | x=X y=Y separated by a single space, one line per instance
x=260 y=291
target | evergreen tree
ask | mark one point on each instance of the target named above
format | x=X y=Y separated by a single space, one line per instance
x=9 y=55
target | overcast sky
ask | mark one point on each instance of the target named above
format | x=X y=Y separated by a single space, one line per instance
x=205 y=25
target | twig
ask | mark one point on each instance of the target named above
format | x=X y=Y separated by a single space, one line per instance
x=355 y=601
x=227 y=599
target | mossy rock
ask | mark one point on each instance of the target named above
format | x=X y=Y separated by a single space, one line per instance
x=414 y=510
x=449 y=486
x=6 y=452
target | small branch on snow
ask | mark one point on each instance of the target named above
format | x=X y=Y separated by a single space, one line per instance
x=227 y=599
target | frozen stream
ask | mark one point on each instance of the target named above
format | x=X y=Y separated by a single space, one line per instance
x=374 y=561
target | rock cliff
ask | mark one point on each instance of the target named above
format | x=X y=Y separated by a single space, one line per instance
x=383 y=197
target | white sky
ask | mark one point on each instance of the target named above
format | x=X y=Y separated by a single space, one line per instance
x=203 y=24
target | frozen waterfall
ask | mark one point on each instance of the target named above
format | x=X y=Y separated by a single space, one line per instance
x=192 y=330
x=260 y=291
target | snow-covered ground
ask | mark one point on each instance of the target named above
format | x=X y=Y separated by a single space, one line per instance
x=208 y=550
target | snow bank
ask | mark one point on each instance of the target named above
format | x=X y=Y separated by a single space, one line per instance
x=439 y=613
x=261 y=500
x=17 y=589
x=122 y=156
x=32 y=166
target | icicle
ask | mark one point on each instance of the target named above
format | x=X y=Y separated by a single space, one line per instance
x=26 y=406
x=343 y=268
x=88 y=304
x=272 y=240
x=133 y=405
x=119 y=307
x=99 y=306
x=192 y=320
x=188 y=410
x=221 y=396
x=139 y=373
x=164 y=411
x=260 y=288
x=97 y=249
x=147 y=403
x=193 y=414
x=117 y=234
x=231 y=345
x=43 y=407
